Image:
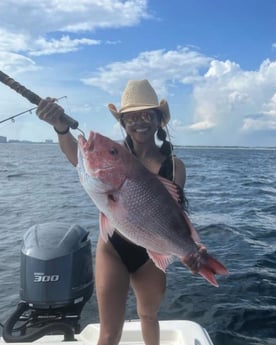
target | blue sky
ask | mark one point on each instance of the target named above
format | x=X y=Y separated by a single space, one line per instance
x=213 y=60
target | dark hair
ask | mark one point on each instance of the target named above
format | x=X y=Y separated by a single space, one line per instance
x=167 y=147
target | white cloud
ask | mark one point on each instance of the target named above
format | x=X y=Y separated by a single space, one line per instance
x=54 y=46
x=10 y=41
x=221 y=68
x=227 y=95
x=32 y=16
x=269 y=108
x=31 y=28
x=202 y=126
x=261 y=124
x=181 y=65
x=35 y=28
x=16 y=63
x=264 y=121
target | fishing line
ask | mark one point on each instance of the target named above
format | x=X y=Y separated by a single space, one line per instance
x=68 y=106
x=124 y=134
x=172 y=153
x=70 y=112
x=81 y=131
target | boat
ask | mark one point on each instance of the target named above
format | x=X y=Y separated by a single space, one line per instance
x=172 y=332
x=53 y=294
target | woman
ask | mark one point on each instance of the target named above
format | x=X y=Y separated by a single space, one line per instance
x=120 y=263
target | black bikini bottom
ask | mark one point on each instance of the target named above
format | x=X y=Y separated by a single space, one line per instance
x=132 y=255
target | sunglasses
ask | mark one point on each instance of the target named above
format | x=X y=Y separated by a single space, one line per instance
x=133 y=117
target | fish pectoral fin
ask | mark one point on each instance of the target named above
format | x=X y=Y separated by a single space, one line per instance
x=160 y=260
x=106 y=228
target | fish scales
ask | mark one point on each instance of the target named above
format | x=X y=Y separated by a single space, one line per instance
x=155 y=211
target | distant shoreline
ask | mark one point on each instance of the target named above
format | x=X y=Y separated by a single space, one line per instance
x=226 y=147
x=48 y=141
x=213 y=147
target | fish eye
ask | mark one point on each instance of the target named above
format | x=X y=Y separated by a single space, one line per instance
x=113 y=151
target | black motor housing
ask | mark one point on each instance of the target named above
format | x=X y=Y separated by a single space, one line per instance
x=56 y=266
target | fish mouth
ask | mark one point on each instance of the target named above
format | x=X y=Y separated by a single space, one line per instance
x=84 y=146
x=89 y=143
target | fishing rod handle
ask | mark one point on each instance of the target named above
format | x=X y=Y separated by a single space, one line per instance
x=33 y=98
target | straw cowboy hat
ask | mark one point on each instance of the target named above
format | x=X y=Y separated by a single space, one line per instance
x=139 y=95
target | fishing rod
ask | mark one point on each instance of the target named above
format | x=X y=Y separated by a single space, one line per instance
x=24 y=112
x=33 y=98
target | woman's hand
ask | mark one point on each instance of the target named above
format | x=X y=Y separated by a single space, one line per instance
x=51 y=112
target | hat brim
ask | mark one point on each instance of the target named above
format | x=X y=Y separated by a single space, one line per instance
x=163 y=108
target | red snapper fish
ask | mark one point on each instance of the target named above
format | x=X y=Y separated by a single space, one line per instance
x=141 y=206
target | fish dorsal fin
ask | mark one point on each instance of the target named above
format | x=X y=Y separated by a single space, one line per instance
x=106 y=228
x=173 y=190
x=194 y=234
x=170 y=186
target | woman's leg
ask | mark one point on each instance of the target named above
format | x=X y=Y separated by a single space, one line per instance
x=112 y=284
x=149 y=285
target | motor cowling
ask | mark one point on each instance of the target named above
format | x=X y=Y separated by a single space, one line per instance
x=56 y=266
x=56 y=280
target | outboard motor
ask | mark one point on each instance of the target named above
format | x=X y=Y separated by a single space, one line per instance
x=56 y=282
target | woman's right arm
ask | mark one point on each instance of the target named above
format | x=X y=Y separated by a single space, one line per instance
x=52 y=113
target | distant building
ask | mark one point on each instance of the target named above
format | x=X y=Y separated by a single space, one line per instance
x=3 y=139
x=49 y=141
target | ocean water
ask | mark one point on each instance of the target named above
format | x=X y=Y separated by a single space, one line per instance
x=232 y=202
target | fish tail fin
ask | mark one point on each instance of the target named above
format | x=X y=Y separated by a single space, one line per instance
x=209 y=267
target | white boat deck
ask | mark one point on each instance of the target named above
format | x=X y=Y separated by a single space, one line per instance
x=180 y=332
